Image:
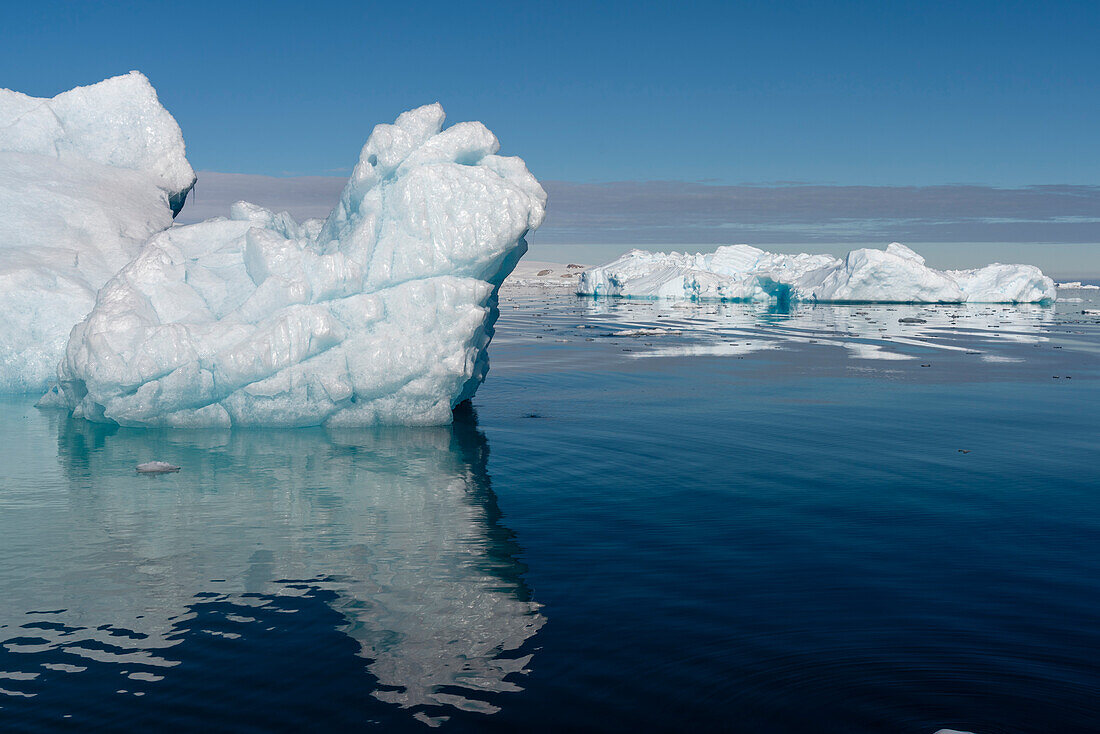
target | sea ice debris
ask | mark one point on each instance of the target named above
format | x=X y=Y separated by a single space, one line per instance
x=157 y=467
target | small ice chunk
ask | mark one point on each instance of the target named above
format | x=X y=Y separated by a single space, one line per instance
x=156 y=467
x=643 y=332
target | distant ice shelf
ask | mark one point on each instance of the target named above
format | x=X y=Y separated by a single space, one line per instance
x=86 y=178
x=745 y=273
x=380 y=313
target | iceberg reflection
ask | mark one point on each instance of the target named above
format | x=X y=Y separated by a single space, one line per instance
x=865 y=331
x=542 y=329
x=400 y=525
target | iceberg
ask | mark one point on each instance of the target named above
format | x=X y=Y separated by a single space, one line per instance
x=86 y=178
x=745 y=273
x=379 y=314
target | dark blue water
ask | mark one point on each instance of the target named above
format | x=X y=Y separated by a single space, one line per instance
x=819 y=520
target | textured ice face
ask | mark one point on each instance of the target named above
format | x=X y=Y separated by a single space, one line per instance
x=85 y=179
x=118 y=122
x=744 y=273
x=380 y=314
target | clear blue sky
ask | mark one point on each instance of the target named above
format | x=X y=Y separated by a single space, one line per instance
x=1003 y=93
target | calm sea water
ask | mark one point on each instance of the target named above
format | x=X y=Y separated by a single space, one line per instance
x=652 y=518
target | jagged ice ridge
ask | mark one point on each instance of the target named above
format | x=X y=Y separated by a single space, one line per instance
x=381 y=313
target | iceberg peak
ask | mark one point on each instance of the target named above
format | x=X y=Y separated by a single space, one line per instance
x=86 y=177
x=118 y=122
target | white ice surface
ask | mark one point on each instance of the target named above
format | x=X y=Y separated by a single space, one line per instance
x=118 y=122
x=745 y=273
x=542 y=274
x=85 y=179
x=380 y=314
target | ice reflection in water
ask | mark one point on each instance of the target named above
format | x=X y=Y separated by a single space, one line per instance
x=896 y=332
x=400 y=525
x=869 y=331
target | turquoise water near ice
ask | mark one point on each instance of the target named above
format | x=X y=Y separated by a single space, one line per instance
x=653 y=517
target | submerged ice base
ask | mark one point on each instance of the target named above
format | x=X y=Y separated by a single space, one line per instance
x=86 y=178
x=744 y=273
x=381 y=313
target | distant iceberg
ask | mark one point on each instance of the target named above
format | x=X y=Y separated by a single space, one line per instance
x=86 y=178
x=744 y=273
x=381 y=313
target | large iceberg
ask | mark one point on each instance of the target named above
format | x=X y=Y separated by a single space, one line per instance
x=744 y=273
x=86 y=178
x=379 y=314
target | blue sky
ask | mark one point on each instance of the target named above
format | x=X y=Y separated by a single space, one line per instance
x=1001 y=93
x=651 y=123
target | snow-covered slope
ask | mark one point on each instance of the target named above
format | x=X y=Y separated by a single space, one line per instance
x=744 y=273
x=85 y=179
x=380 y=314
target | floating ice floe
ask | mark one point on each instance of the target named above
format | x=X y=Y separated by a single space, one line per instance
x=744 y=273
x=86 y=178
x=379 y=314
x=157 y=467
x=1076 y=285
